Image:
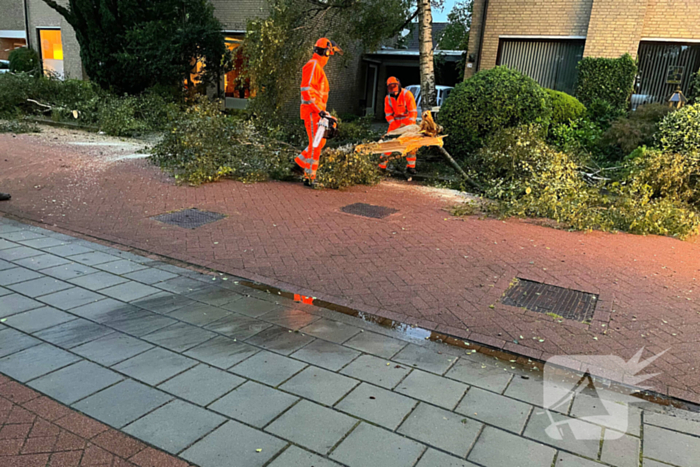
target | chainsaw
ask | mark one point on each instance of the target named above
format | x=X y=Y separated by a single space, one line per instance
x=328 y=128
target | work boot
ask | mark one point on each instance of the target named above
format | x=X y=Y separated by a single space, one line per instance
x=309 y=183
x=411 y=170
x=5 y=196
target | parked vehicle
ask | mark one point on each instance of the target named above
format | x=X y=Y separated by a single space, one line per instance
x=4 y=66
x=442 y=93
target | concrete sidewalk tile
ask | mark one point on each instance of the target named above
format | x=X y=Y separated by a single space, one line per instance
x=19 y=252
x=122 y=403
x=35 y=361
x=13 y=304
x=297 y=457
x=330 y=330
x=268 y=368
x=436 y=390
x=15 y=275
x=442 y=429
x=92 y=258
x=136 y=321
x=646 y=463
x=530 y=391
x=251 y=307
x=172 y=268
x=669 y=446
x=180 y=285
x=69 y=249
x=280 y=340
x=312 y=426
x=23 y=234
x=70 y=298
x=41 y=286
x=112 y=348
x=495 y=409
x=582 y=438
x=120 y=267
x=368 y=445
x=37 y=263
x=163 y=302
x=4 y=291
x=69 y=271
x=212 y=295
x=222 y=352
x=38 y=319
x=565 y=459
x=104 y=310
x=179 y=337
x=252 y=448
x=238 y=326
x=289 y=318
x=6 y=244
x=5 y=265
x=620 y=451
x=129 y=291
x=73 y=333
x=319 y=385
x=691 y=427
x=175 y=426
x=433 y=458
x=491 y=378
x=12 y=341
x=75 y=382
x=376 y=344
x=98 y=280
x=42 y=242
x=498 y=448
x=150 y=276
x=425 y=359
x=376 y=371
x=155 y=366
x=377 y=405
x=199 y=314
x=326 y=355
x=202 y=384
x=629 y=421
x=254 y=404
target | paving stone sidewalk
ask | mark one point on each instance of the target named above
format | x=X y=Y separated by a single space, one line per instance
x=205 y=369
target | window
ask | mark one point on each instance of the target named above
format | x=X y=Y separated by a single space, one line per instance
x=234 y=86
x=51 y=51
x=663 y=66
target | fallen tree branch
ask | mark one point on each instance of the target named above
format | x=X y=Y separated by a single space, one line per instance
x=459 y=170
x=46 y=106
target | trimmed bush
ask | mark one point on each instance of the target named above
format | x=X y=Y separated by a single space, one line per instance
x=607 y=79
x=636 y=129
x=24 y=60
x=489 y=101
x=680 y=130
x=565 y=108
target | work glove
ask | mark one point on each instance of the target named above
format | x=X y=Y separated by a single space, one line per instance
x=324 y=114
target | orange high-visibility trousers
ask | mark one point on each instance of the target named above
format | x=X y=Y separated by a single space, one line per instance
x=410 y=157
x=309 y=157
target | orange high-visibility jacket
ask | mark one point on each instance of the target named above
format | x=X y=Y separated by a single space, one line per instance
x=401 y=110
x=314 y=88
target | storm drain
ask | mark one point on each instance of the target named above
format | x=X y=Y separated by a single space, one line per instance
x=189 y=218
x=369 y=210
x=552 y=300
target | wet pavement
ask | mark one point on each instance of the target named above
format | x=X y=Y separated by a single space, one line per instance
x=209 y=370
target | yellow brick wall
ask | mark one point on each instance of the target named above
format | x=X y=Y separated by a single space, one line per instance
x=672 y=19
x=615 y=28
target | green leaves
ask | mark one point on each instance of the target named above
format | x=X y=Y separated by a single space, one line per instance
x=607 y=79
x=680 y=131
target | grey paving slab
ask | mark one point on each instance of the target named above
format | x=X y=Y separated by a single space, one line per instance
x=649 y=463
x=37 y=263
x=326 y=355
x=20 y=235
x=376 y=371
x=42 y=242
x=280 y=340
x=136 y=321
x=565 y=459
x=498 y=448
x=5 y=244
x=212 y=295
x=289 y=318
x=491 y=378
x=15 y=303
x=578 y=437
x=376 y=344
x=251 y=447
x=41 y=286
x=69 y=271
x=312 y=426
x=254 y=404
x=70 y=298
x=442 y=429
x=691 y=427
x=155 y=366
x=180 y=285
x=12 y=341
x=425 y=359
x=377 y=405
x=175 y=426
x=123 y=403
x=129 y=291
x=97 y=281
x=330 y=330
x=120 y=267
x=179 y=337
x=251 y=307
x=202 y=384
x=532 y=392
x=35 y=361
x=172 y=268
x=433 y=458
x=369 y=445
x=430 y=388
x=297 y=457
x=668 y=446
x=163 y=302
x=15 y=275
x=621 y=417
x=75 y=382
x=495 y=409
x=620 y=450
x=268 y=368
x=5 y=265
x=92 y=258
x=104 y=310
x=19 y=252
x=238 y=326
x=4 y=291
x=112 y=348
x=68 y=250
x=222 y=352
x=320 y=385
x=38 y=319
x=73 y=333
x=199 y=314
x=150 y=276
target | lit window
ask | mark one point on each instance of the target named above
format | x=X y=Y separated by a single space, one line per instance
x=233 y=85
x=51 y=51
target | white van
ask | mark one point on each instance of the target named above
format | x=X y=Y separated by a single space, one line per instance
x=442 y=93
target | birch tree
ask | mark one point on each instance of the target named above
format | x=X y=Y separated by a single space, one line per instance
x=426 y=62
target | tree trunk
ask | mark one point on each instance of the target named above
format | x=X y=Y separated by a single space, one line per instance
x=425 y=46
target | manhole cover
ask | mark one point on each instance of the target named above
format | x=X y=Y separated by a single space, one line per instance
x=189 y=218
x=369 y=210
x=552 y=300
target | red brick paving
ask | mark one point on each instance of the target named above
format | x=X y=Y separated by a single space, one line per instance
x=419 y=266
x=37 y=431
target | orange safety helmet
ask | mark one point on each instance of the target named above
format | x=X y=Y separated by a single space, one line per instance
x=393 y=85
x=326 y=47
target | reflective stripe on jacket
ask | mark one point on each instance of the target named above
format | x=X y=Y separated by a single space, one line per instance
x=402 y=109
x=314 y=88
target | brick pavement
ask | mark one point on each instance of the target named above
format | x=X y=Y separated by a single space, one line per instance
x=418 y=266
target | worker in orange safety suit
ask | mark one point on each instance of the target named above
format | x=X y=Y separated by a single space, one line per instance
x=400 y=110
x=314 y=97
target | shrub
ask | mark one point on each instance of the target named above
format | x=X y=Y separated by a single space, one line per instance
x=565 y=108
x=354 y=131
x=694 y=92
x=24 y=60
x=489 y=101
x=666 y=175
x=343 y=167
x=602 y=112
x=606 y=79
x=680 y=131
x=579 y=138
x=636 y=129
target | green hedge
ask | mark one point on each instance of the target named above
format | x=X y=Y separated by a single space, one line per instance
x=24 y=60
x=694 y=93
x=606 y=79
x=679 y=131
x=565 y=108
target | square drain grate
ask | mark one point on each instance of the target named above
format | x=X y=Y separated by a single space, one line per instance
x=543 y=298
x=189 y=218
x=369 y=210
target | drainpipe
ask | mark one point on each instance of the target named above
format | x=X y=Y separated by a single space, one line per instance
x=26 y=23
x=481 y=34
